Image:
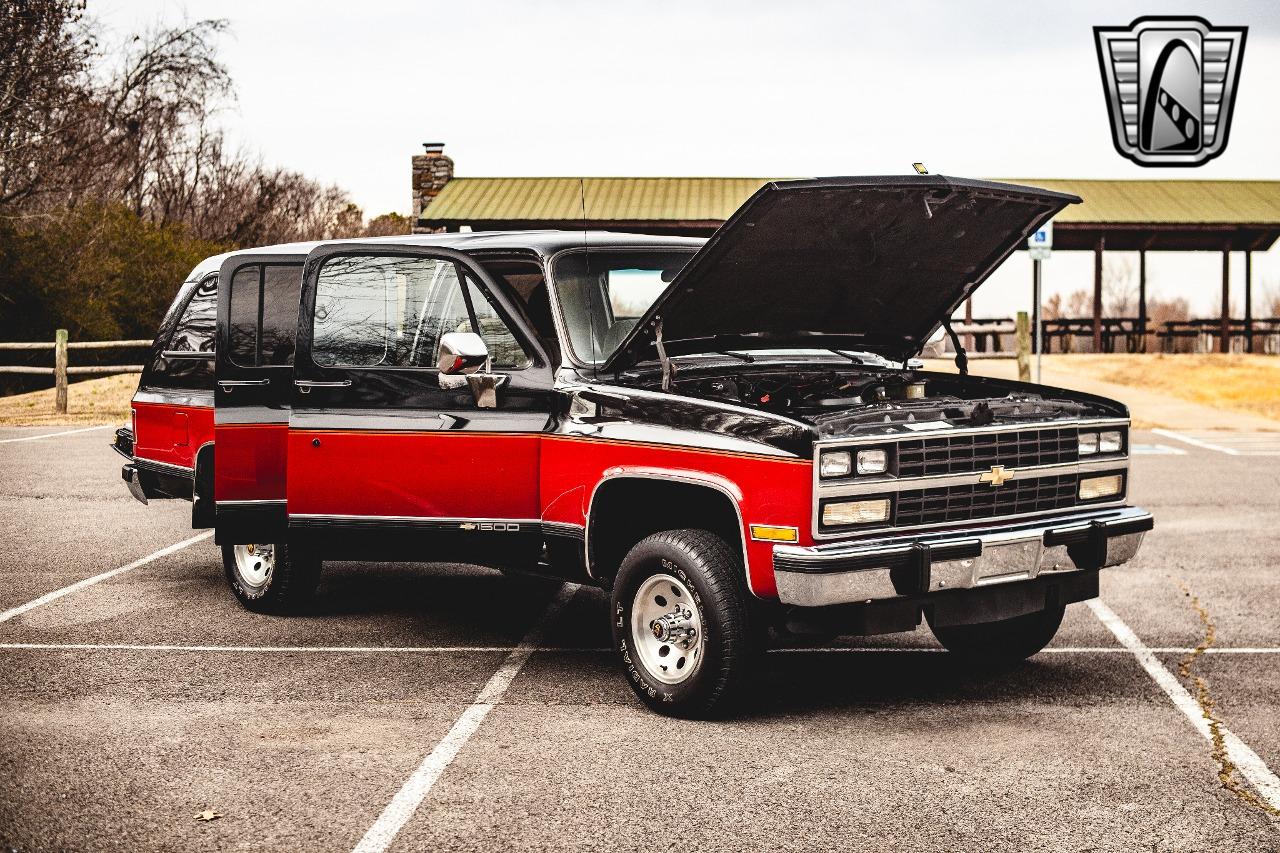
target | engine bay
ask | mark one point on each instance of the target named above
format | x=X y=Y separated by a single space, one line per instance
x=840 y=401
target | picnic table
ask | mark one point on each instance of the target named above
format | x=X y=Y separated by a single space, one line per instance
x=1204 y=335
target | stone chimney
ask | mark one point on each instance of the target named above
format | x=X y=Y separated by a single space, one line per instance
x=431 y=171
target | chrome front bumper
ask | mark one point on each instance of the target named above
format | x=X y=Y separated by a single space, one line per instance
x=887 y=568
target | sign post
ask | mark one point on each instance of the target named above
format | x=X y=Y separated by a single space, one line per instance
x=1040 y=246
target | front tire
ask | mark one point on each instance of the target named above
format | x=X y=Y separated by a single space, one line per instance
x=1001 y=643
x=680 y=622
x=274 y=578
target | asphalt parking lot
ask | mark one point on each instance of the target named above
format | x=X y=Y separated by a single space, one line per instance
x=448 y=707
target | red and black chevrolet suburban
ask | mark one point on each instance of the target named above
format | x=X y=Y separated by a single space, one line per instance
x=731 y=436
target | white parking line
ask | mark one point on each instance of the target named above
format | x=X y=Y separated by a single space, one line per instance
x=1195 y=442
x=358 y=650
x=414 y=791
x=1156 y=450
x=52 y=434
x=87 y=582
x=1230 y=443
x=1245 y=759
x=400 y=650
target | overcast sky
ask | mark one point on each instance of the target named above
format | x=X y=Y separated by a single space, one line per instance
x=346 y=92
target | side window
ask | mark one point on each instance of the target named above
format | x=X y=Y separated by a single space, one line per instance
x=263 y=314
x=391 y=312
x=505 y=351
x=187 y=358
x=242 y=338
x=281 y=286
x=194 y=331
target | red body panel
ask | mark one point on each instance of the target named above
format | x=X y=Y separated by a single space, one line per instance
x=250 y=462
x=766 y=490
x=427 y=474
x=513 y=476
x=171 y=434
x=479 y=475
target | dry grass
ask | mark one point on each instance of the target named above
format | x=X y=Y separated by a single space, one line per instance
x=93 y=401
x=1243 y=383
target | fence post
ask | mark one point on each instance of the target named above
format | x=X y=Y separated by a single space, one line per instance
x=60 y=372
x=1023 y=326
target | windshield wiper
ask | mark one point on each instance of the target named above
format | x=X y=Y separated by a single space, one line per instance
x=853 y=358
x=749 y=359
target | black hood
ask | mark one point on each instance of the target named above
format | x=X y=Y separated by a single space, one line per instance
x=872 y=264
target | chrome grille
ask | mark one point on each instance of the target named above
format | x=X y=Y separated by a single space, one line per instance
x=966 y=502
x=944 y=454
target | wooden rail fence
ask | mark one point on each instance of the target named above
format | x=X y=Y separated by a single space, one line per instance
x=61 y=370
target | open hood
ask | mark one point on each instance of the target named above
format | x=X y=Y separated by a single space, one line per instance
x=873 y=264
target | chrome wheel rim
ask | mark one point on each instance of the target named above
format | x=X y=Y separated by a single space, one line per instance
x=254 y=564
x=666 y=629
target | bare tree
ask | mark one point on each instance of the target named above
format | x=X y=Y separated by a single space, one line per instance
x=1119 y=286
x=46 y=52
x=142 y=133
x=1052 y=307
x=1271 y=298
x=1080 y=304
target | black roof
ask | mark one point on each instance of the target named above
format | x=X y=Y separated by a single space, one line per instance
x=544 y=243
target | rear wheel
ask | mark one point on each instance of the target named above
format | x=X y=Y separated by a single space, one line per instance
x=680 y=622
x=1001 y=643
x=271 y=578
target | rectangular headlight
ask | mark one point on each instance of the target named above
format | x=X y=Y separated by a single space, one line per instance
x=1093 y=488
x=1110 y=442
x=872 y=461
x=836 y=463
x=1088 y=443
x=855 y=512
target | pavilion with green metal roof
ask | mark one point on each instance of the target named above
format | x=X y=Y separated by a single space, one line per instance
x=1126 y=215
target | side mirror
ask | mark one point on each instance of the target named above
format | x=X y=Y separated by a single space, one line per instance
x=461 y=353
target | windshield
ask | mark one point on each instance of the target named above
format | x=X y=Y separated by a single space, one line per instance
x=603 y=294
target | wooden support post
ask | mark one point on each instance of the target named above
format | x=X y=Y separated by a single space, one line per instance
x=1142 y=300
x=1097 y=294
x=60 y=372
x=1224 y=329
x=1023 y=328
x=968 y=321
x=1248 y=301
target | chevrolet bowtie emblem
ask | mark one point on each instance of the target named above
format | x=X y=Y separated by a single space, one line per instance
x=997 y=476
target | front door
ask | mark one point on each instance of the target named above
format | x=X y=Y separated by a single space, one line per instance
x=257 y=321
x=384 y=462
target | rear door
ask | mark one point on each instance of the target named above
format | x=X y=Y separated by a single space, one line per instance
x=173 y=408
x=383 y=461
x=257 y=324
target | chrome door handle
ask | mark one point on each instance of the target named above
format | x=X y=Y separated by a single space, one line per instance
x=228 y=384
x=305 y=385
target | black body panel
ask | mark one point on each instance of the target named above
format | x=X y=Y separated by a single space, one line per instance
x=410 y=398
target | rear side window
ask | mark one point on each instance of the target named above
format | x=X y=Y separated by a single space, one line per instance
x=392 y=311
x=186 y=360
x=263 y=314
x=194 y=331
